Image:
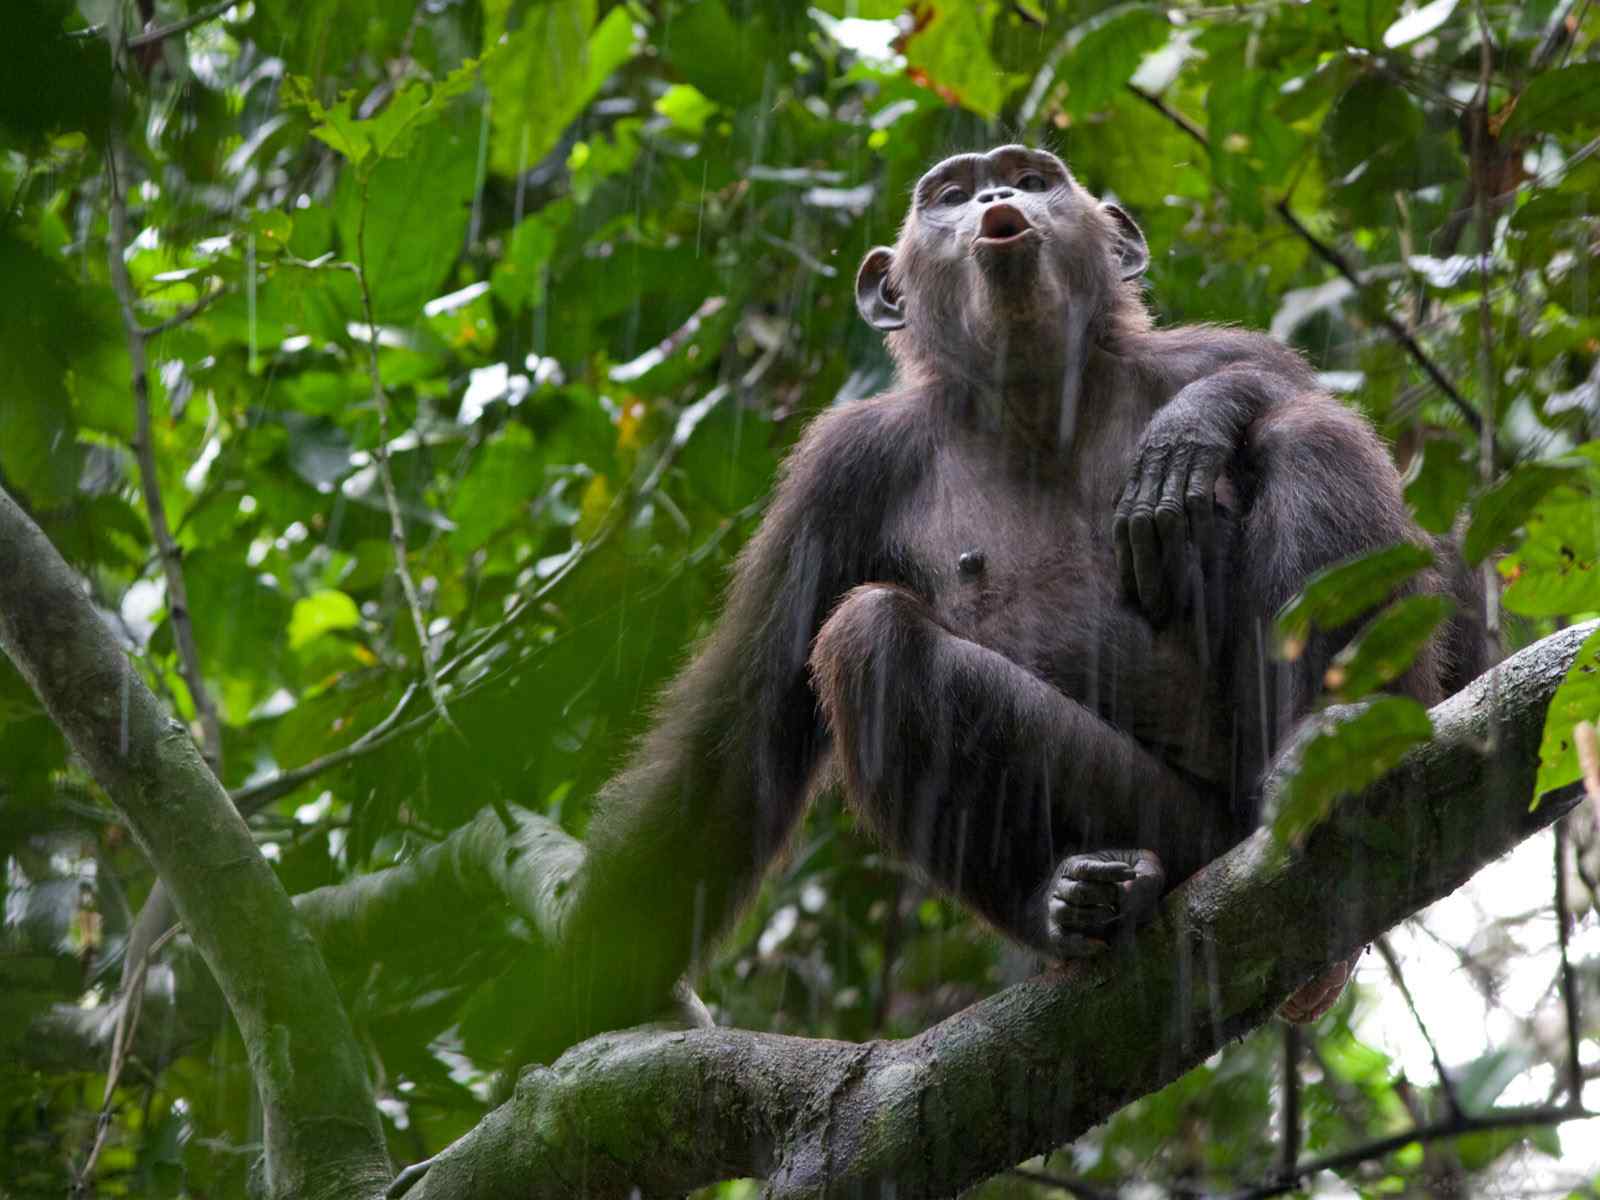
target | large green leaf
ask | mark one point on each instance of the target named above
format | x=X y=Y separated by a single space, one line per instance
x=1349 y=749
x=1555 y=571
x=1442 y=481
x=1363 y=22
x=952 y=52
x=1500 y=511
x=1577 y=699
x=549 y=67
x=1557 y=101
x=416 y=210
x=1386 y=649
x=1109 y=52
x=1339 y=594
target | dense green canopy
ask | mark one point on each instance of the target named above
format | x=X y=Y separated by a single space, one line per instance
x=401 y=379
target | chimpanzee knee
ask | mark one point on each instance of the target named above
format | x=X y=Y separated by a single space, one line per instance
x=868 y=652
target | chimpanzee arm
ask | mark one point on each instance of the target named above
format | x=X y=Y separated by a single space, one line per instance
x=1166 y=504
x=682 y=835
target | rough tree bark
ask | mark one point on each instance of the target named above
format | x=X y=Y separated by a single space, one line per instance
x=322 y=1132
x=1019 y=1073
x=1045 y=1060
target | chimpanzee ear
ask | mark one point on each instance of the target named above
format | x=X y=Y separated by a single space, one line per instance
x=1133 y=256
x=878 y=300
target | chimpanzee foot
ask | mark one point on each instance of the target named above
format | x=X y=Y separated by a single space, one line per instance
x=1094 y=897
x=1318 y=996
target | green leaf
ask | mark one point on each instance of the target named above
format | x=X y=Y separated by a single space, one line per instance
x=1363 y=22
x=320 y=613
x=1250 y=146
x=52 y=82
x=417 y=209
x=1557 y=101
x=388 y=133
x=507 y=474
x=1478 y=1084
x=1388 y=646
x=1110 y=50
x=952 y=51
x=1500 y=511
x=1577 y=699
x=1375 y=126
x=1553 y=572
x=518 y=279
x=1339 y=594
x=1440 y=484
x=687 y=107
x=1349 y=751
x=549 y=68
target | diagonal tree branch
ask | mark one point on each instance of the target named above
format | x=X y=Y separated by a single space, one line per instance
x=322 y=1133
x=1045 y=1060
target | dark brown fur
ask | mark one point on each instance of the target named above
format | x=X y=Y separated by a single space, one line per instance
x=991 y=724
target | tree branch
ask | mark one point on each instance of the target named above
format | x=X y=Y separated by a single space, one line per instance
x=1047 y=1059
x=322 y=1133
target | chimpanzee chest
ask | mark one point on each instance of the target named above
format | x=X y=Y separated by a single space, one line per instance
x=1022 y=561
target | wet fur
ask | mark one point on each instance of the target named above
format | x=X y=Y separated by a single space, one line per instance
x=985 y=726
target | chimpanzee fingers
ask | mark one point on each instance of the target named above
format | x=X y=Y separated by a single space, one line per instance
x=1144 y=535
x=1097 y=868
x=1172 y=525
x=1084 y=908
x=1199 y=503
x=1122 y=541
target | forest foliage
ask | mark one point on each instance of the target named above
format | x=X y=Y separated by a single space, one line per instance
x=528 y=299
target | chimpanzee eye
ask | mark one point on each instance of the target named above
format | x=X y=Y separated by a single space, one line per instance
x=953 y=195
x=1032 y=181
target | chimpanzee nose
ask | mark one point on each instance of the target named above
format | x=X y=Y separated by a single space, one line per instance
x=990 y=195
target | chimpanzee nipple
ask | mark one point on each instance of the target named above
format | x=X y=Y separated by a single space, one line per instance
x=970 y=563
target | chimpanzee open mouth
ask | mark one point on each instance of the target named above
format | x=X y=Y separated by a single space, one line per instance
x=1002 y=224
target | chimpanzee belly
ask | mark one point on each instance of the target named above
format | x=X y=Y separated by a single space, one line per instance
x=1028 y=569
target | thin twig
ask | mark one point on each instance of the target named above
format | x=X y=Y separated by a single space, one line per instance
x=144 y=450
x=1396 y=329
x=130 y=1005
x=397 y=529
x=186 y=313
x=1419 y=1134
x=1392 y=961
x=256 y=796
x=1334 y=259
x=1289 y=1138
x=1568 y=981
x=1487 y=383
x=151 y=36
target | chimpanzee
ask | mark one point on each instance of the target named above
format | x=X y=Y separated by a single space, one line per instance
x=1021 y=602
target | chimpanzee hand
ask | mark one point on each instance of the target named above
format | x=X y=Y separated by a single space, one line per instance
x=1093 y=897
x=1164 y=527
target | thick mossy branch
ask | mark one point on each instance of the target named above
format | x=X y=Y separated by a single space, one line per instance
x=321 y=1123
x=1041 y=1062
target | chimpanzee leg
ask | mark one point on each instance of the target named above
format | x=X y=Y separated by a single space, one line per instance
x=1052 y=823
